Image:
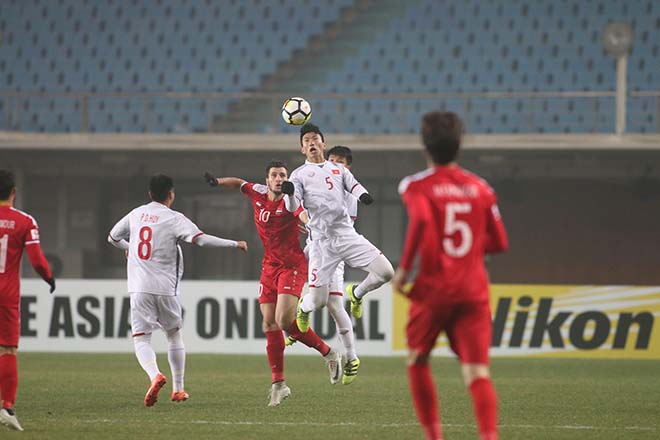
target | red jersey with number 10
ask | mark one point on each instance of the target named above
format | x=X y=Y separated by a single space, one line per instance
x=277 y=228
x=453 y=221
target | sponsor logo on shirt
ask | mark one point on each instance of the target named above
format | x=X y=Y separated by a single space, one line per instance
x=336 y=172
x=35 y=234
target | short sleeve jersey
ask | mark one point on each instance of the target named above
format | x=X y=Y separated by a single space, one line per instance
x=459 y=220
x=277 y=228
x=17 y=230
x=155 y=261
x=323 y=189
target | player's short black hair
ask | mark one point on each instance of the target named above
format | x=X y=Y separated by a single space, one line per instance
x=310 y=128
x=441 y=135
x=276 y=164
x=160 y=186
x=7 y=183
x=341 y=151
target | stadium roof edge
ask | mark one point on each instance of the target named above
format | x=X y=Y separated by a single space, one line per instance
x=285 y=142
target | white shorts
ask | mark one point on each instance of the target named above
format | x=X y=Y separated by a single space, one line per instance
x=152 y=312
x=325 y=254
x=337 y=281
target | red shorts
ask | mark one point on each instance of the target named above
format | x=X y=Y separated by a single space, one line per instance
x=277 y=280
x=10 y=325
x=468 y=327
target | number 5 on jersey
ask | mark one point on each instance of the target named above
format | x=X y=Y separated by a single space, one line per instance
x=144 y=246
x=453 y=225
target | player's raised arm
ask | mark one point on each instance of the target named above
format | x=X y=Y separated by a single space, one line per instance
x=224 y=182
x=292 y=190
x=354 y=187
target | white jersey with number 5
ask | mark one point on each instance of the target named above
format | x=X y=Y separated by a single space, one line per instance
x=323 y=188
x=154 y=259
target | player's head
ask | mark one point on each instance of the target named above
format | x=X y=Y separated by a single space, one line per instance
x=312 y=143
x=7 y=185
x=441 y=135
x=161 y=189
x=276 y=173
x=341 y=154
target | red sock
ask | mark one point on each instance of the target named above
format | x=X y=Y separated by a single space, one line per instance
x=309 y=338
x=425 y=399
x=484 y=400
x=275 y=352
x=8 y=379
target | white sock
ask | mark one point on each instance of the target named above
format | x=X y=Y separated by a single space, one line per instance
x=316 y=298
x=176 y=356
x=146 y=355
x=380 y=271
x=344 y=325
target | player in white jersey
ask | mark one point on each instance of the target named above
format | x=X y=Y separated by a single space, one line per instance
x=342 y=155
x=151 y=233
x=321 y=186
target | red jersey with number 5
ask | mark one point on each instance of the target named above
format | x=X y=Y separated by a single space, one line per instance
x=277 y=228
x=453 y=222
x=18 y=230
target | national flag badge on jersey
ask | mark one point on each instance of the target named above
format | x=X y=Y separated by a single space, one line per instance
x=336 y=172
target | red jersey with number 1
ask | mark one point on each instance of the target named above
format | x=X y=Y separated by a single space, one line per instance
x=18 y=230
x=277 y=228
x=453 y=222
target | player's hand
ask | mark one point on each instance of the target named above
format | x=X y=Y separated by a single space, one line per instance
x=399 y=281
x=288 y=188
x=51 y=283
x=366 y=199
x=242 y=245
x=210 y=179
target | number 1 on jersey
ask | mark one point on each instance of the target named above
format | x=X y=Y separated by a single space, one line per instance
x=4 y=246
x=144 y=246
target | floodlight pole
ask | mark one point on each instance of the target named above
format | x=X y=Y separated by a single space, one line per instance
x=621 y=69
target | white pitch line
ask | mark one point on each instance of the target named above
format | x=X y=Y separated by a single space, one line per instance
x=395 y=425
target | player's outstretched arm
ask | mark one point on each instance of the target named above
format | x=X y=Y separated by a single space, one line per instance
x=207 y=240
x=40 y=264
x=224 y=182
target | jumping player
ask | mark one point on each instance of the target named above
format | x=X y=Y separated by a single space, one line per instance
x=283 y=275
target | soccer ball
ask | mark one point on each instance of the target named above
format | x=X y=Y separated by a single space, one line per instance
x=296 y=111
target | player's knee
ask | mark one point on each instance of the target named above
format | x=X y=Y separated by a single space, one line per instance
x=269 y=325
x=8 y=349
x=383 y=268
x=175 y=339
x=283 y=322
x=417 y=358
x=472 y=372
x=142 y=339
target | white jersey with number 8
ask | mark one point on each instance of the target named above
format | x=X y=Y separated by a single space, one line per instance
x=154 y=260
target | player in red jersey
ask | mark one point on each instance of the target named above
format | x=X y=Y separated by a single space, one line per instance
x=453 y=222
x=18 y=230
x=283 y=274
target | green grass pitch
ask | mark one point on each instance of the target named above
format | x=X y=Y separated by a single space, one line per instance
x=99 y=396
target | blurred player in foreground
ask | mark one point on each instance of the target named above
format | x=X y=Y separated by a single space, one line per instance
x=18 y=231
x=283 y=273
x=344 y=156
x=453 y=222
x=151 y=233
